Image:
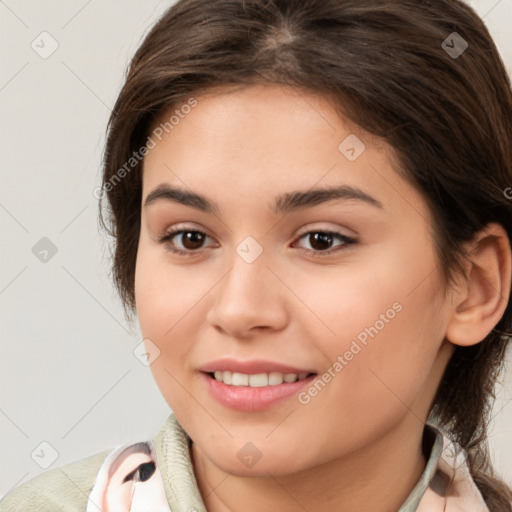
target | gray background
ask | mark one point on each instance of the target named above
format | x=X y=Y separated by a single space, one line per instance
x=68 y=373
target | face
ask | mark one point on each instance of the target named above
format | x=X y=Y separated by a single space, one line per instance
x=340 y=288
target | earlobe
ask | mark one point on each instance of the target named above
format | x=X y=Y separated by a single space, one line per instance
x=479 y=303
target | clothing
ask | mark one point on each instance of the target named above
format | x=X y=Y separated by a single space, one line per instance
x=161 y=477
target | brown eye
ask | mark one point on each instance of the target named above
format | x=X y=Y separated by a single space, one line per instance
x=184 y=241
x=321 y=242
x=192 y=239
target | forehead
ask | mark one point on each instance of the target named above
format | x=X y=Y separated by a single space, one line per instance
x=276 y=116
x=267 y=139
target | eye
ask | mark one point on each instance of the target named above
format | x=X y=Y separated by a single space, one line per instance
x=191 y=242
x=321 y=242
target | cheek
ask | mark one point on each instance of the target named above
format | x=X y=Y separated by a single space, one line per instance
x=368 y=299
x=164 y=293
x=169 y=307
x=385 y=321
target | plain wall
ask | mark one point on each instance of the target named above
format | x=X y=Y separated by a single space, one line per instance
x=68 y=373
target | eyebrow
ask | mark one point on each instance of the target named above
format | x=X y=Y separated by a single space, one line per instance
x=285 y=203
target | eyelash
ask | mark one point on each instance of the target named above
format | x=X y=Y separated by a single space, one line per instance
x=347 y=241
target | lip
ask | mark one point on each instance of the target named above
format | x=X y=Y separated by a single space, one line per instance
x=251 y=367
x=249 y=399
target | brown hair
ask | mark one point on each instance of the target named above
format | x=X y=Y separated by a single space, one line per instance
x=447 y=117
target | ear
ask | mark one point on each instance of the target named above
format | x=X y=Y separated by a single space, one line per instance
x=481 y=297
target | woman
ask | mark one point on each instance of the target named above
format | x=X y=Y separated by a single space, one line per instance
x=329 y=332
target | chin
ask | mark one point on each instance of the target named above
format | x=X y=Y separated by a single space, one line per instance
x=244 y=464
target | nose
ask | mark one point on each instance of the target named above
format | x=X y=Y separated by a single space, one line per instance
x=250 y=297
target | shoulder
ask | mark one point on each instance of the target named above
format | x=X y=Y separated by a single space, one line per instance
x=65 y=488
x=117 y=478
x=124 y=475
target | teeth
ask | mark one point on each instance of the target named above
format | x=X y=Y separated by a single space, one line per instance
x=240 y=379
x=258 y=380
x=275 y=378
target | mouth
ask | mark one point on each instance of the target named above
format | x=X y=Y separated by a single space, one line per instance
x=255 y=384
x=251 y=393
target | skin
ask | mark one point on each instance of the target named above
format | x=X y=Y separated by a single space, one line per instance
x=357 y=444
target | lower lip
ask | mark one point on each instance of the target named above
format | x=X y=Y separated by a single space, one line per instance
x=249 y=399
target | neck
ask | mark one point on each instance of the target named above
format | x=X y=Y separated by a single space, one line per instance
x=378 y=477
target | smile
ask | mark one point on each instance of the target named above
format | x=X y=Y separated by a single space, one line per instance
x=254 y=392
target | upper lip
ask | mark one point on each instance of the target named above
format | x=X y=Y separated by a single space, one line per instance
x=251 y=367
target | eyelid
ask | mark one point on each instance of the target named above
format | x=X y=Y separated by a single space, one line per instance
x=172 y=233
x=339 y=230
x=174 y=229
